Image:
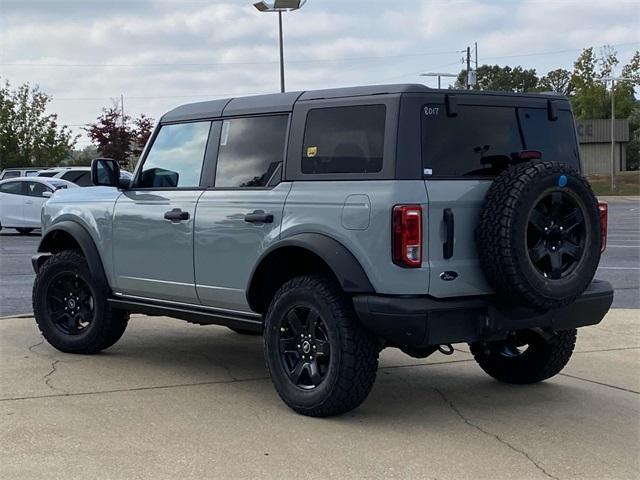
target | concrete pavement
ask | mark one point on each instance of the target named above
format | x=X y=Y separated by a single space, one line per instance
x=173 y=400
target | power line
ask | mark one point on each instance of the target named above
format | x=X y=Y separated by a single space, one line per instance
x=211 y=64
x=268 y=62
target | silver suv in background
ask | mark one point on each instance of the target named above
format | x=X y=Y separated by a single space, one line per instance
x=81 y=176
x=337 y=223
x=19 y=172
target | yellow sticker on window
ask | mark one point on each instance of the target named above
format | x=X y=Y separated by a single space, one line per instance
x=312 y=151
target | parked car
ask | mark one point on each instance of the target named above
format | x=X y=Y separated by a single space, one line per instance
x=81 y=176
x=338 y=223
x=21 y=201
x=19 y=172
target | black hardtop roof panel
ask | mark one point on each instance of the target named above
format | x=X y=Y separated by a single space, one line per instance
x=284 y=102
x=195 y=111
x=364 y=91
x=256 y=104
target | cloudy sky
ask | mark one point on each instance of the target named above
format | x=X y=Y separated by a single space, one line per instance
x=159 y=54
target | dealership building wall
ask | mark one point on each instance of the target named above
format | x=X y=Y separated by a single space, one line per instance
x=594 y=137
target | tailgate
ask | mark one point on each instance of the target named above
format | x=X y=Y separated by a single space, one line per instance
x=463 y=199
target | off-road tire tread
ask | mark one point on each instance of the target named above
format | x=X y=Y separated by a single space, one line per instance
x=113 y=324
x=540 y=365
x=493 y=239
x=359 y=350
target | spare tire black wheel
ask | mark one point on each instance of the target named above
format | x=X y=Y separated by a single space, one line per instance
x=539 y=235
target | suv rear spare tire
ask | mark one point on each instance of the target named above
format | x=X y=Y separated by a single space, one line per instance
x=539 y=234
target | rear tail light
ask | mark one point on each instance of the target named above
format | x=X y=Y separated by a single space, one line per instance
x=407 y=236
x=603 y=208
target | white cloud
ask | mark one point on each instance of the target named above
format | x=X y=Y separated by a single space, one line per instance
x=239 y=44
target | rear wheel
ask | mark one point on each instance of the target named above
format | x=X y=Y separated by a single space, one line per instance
x=321 y=361
x=70 y=306
x=24 y=231
x=527 y=356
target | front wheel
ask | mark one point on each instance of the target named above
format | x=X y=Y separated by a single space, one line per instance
x=527 y=356
x=71 y=307
x=321 y=361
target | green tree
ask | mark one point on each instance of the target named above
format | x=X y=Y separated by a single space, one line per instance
x=82 y=158
x=28 y=134
x=502 y=79
x=590 y=98
x=558 y=81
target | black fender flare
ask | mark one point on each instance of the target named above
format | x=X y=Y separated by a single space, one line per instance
x=340 y=260
x=82 y=238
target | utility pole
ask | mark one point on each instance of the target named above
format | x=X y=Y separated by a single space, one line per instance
x=468 y=66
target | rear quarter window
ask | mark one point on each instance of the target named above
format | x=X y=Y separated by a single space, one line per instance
x=344 y=140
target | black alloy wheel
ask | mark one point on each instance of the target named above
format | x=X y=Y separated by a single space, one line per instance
x=321 y=361
x=556 y=234
x=305 y=350
x=70 y=303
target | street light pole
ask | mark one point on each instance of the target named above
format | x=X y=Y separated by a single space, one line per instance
x=439 y=75
x=281 y=52
x=613 y=81
x=613 y=138
x=280 y=6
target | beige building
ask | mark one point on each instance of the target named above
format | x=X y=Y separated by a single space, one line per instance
x=594 y=136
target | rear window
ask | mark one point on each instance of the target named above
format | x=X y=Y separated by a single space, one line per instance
x=480 y=138
x=344 y=140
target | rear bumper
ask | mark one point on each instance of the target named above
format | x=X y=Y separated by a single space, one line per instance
x=424 y=320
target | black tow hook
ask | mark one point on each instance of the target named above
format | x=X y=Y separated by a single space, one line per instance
x=446 y=349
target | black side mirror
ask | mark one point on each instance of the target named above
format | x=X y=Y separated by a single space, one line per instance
x=105 y=172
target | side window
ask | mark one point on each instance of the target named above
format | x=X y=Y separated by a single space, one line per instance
x=36 y=189
x=46 y=174
x=10 y=174
x=14 y=188
x=251 y=149
x=176 y=156
x=344 y=140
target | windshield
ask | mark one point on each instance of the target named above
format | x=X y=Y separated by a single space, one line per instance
x=481 y=139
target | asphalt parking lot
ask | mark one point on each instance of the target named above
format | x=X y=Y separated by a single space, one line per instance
x=620 y=264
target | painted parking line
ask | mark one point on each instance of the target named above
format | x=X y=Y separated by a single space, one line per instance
x=618 y=268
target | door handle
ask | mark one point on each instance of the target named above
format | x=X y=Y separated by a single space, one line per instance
x=447 y=246
x=176 y=215
x=28 y=202
x=258 y=216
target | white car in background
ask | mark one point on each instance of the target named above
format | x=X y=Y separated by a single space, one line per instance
x=21 y=200
x=81 y=176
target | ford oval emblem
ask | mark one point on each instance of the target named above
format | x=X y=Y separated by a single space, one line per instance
x=449 y=275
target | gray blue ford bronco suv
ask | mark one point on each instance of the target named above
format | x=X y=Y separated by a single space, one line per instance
x=337 y=223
